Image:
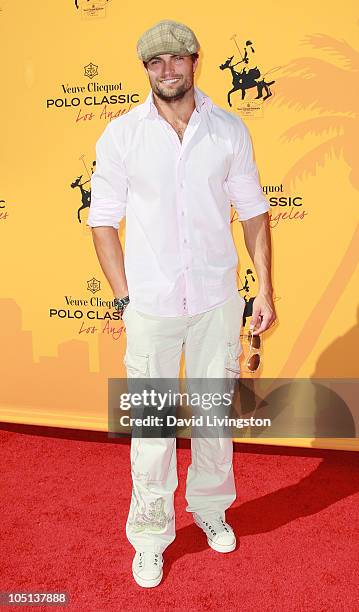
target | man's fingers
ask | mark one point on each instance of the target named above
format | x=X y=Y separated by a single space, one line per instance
x=264 y=323
x=254 y=322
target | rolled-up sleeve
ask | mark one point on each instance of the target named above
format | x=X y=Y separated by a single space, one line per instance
x=242 y=183
x=109 y=184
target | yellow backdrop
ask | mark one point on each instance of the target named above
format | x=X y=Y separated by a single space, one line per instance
x=68 y=69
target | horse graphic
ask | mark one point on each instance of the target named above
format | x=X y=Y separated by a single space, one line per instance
x=85 y=193
x=246 y=80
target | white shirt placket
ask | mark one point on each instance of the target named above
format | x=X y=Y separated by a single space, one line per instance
x=182 y=212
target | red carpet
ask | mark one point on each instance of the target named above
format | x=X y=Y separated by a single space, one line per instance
x=64 y=503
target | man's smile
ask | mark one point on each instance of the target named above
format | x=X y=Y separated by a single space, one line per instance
x=170 y=81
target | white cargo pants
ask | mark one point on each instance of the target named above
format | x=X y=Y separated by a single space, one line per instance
x=212 y=346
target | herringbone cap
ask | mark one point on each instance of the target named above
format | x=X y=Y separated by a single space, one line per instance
x=167 y=36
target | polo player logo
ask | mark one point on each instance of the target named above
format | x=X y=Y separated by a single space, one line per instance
x=85 y=191
x=244 y=80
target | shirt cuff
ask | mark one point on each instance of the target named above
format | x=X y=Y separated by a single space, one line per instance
x=252 y=210
x=106 y=213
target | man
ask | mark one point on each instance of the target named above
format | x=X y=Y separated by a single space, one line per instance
x=173 y=165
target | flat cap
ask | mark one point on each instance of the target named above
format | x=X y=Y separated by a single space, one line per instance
x=167 y=36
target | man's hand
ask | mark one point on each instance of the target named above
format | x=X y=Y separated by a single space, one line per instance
x=263 y=315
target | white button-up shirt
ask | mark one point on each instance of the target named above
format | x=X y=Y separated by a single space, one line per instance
x=180 y=258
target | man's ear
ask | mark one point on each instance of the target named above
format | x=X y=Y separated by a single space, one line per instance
x=195 y=64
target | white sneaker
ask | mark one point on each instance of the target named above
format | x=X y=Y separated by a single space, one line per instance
x=220 y=535
x=147 y=568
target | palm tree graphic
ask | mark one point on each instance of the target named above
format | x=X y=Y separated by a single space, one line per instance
x=325 y=88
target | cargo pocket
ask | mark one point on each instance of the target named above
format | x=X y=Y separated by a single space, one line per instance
x=137 y=365
x=234 y=349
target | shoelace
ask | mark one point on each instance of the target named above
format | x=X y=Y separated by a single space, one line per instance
x=217 y=522
x=142 y=558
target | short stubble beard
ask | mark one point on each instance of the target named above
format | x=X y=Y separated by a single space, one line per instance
x=175 y=93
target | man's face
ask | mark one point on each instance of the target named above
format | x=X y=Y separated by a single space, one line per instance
x=171 y=76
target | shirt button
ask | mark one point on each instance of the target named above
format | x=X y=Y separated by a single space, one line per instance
x=182 y=213
x=185 y=241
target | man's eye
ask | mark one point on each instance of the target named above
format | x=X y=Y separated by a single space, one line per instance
x=178 y=58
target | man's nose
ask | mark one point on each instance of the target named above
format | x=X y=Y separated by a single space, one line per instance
x=169 y=68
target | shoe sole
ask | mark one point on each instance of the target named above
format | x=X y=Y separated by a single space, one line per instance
x=220 y=547
x=147 y=584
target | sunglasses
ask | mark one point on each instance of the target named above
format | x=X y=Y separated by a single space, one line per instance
x=253 y=359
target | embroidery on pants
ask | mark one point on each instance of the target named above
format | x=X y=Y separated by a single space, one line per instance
x=152 y=518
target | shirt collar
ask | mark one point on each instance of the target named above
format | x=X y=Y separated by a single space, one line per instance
x=148 y=108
